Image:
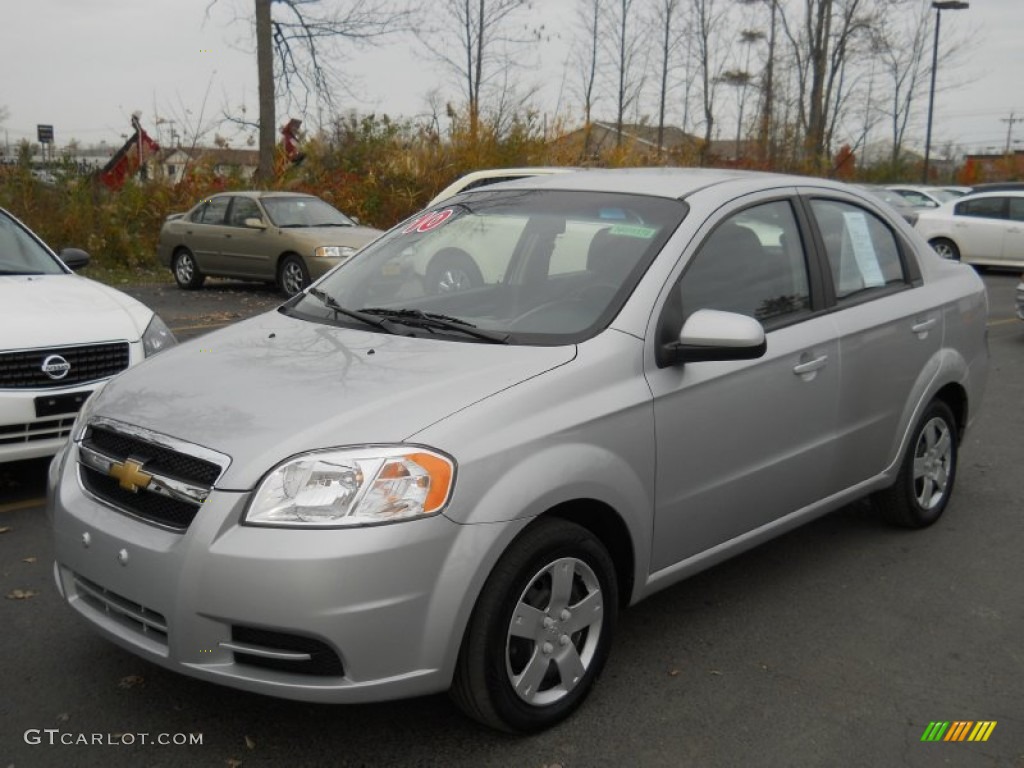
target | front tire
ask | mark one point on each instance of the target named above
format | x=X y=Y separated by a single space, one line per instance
x=292 y=275
x=541 y=630
x=186 y=270
x=925 y=483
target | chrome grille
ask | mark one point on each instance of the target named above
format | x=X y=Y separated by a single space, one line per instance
x=36 y=430
x=92 y=362
x=152 y=477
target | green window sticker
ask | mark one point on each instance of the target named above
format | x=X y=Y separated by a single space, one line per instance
x=633 y=230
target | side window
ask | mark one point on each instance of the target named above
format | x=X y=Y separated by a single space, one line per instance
x=213 y=212
x=982 y=207
x=862 y=251
x=1017 y=208
x=243 y=208
x=752 y=263
x=916 y=199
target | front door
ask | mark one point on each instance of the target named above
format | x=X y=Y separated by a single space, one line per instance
x=742 y=444
x=246 y=250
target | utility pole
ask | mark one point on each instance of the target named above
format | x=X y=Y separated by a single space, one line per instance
x=939 y=6
x=1009 y=129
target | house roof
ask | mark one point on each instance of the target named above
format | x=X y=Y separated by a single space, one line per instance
x=604 y=135
x=216 y=155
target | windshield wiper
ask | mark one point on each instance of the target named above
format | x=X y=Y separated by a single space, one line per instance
x=329 y=302
x=419 y=318
x=331 y=224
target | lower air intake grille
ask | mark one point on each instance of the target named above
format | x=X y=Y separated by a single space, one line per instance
x=323 y=661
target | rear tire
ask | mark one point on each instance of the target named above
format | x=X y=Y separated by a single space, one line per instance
x=945 y=248
x=925 y=483
x=541 y=630
x=186 y=270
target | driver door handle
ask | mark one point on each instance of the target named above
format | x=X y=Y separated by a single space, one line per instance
x=811 y=365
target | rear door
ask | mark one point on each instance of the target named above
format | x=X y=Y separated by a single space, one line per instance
x=890 y=329
x=741 y=444
x=204 y=233
x=1013 y=240
x=979 y=226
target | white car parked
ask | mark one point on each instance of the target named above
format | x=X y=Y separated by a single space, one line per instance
x=986 y=229
x=61 y=338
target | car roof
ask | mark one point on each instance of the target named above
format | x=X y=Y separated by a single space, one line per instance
x=259 y=193
x=675 y=183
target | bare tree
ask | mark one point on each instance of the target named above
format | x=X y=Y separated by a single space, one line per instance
x=822 y=45
x=265 y=83
x=765 y=123
x=628 y=59
x=585 y=59
x=741 y=79
x=665 y=22
x=477 y=47
x=901 y=50
x=307 y=39
x=706 y=20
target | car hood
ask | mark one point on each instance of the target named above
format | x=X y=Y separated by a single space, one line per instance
x=274 y=386
x=57 y=310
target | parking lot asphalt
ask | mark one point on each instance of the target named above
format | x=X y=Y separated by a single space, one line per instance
x=219 y=303
x=835 y=645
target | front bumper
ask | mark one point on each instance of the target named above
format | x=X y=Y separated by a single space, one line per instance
x=23 y=434
x=387 y=604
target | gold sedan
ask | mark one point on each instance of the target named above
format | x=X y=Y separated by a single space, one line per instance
x=286 y=238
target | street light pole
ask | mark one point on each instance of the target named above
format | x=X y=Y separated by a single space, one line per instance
x=939 y=6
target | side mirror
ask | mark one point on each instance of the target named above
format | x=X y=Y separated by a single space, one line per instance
x=75 y=258
x=709 y=334
x=255 y=223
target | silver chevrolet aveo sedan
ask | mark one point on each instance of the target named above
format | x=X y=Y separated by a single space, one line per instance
x=392 y=486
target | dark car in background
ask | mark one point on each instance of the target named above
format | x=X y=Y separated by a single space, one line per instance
x=286 y=238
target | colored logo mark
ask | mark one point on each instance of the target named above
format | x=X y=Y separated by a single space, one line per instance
x=959 y=730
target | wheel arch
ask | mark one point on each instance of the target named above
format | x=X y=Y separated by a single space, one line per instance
x=947 y=238
x=955 y=396
x=284 y=255
x=610 y=529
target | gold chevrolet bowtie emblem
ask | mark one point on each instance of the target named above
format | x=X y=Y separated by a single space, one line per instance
x=129 y=475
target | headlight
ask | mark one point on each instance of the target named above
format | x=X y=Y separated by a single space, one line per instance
x=333 y=252
x=358 y=486
x=157 y=337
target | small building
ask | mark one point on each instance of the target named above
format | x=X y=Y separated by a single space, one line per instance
x=980 y=168
x=636 y=141
x=172 y=164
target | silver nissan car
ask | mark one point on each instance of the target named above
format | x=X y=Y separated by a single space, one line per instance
x=386 y=489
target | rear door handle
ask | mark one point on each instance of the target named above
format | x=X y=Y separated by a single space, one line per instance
x=810 y=366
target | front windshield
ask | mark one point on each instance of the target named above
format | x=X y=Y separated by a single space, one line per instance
x=21 y=254
x=536 y=266
x=304 y=212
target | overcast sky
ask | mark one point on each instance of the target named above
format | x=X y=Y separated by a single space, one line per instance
x=84 y=66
